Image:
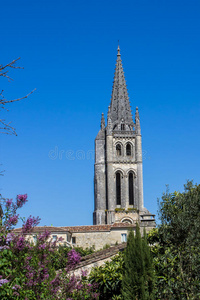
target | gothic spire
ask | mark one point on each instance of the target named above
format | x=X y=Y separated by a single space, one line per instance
x=102 y=122
x=137 y=122
x=109 y=122
x=120 y=106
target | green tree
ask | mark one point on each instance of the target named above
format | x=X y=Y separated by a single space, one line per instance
x=138 y=276
x=109 y=278
x=176 y=245
x=149 y=272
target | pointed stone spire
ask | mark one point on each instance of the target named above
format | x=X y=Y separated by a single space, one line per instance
x=109 y=122
x=137 y=122
x=120 y=105
x=102 y=121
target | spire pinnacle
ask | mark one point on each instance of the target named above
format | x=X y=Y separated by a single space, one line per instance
x=102 y=121
x=109 y=122
x=118 y=50
x=137 y=122
x=120 y=105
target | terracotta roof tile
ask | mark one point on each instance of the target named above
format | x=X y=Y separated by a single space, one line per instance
x=84 y=228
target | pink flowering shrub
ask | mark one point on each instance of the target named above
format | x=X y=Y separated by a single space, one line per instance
x=26 y=269
x=78 y=288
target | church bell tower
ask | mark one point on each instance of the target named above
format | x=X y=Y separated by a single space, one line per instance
x=118 y=178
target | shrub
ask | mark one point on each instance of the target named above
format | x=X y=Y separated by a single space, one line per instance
x=109 y=278
x=26 y=269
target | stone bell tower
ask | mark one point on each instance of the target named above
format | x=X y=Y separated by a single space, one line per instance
x=118 y=178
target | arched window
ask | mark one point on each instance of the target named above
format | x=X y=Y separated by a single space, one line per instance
x=128 y=150
x=127 y=221
x=118 y=150
x=118 y=188
x=131 y=188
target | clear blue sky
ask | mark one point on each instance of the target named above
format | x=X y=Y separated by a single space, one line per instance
x=68 y=51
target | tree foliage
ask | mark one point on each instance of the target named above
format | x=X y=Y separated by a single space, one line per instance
x=26 y=269
x=138 y=276
x=176 y=245
x=109 y=278
x=59 y=257
x=43 y=271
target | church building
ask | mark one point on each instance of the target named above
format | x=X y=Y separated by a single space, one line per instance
x=118 y=178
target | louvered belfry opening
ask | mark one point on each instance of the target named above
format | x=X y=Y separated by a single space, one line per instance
x=119 y=150
x=128 y=150
x=118 y=188
x=131 y=189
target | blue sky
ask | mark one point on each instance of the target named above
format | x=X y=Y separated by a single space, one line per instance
x=68 y=51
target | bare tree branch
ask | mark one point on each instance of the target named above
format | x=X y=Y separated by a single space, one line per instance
x=5 y=127
x=4 y=101
x=2 y=171
x=9 y=65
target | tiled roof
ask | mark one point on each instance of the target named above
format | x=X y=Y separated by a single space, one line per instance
x=122 y=225
x=42 y=229
x=100 y=255
x=87 y=228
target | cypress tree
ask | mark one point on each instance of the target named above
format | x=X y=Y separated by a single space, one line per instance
x=137 y=283
x=130 y=276
x=148 y=268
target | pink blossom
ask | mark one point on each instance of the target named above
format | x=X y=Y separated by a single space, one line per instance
x=73 y=257
x=21 y=200
x=60 y=239
x=84 y=273
x=44 y=236
x=3 y=247
x=16 y=287
x=9 y=238
x=30 y=223
x=3 y=281
x=8 y=203
x=43 y=246
x=20 y=244
x=12 y=220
